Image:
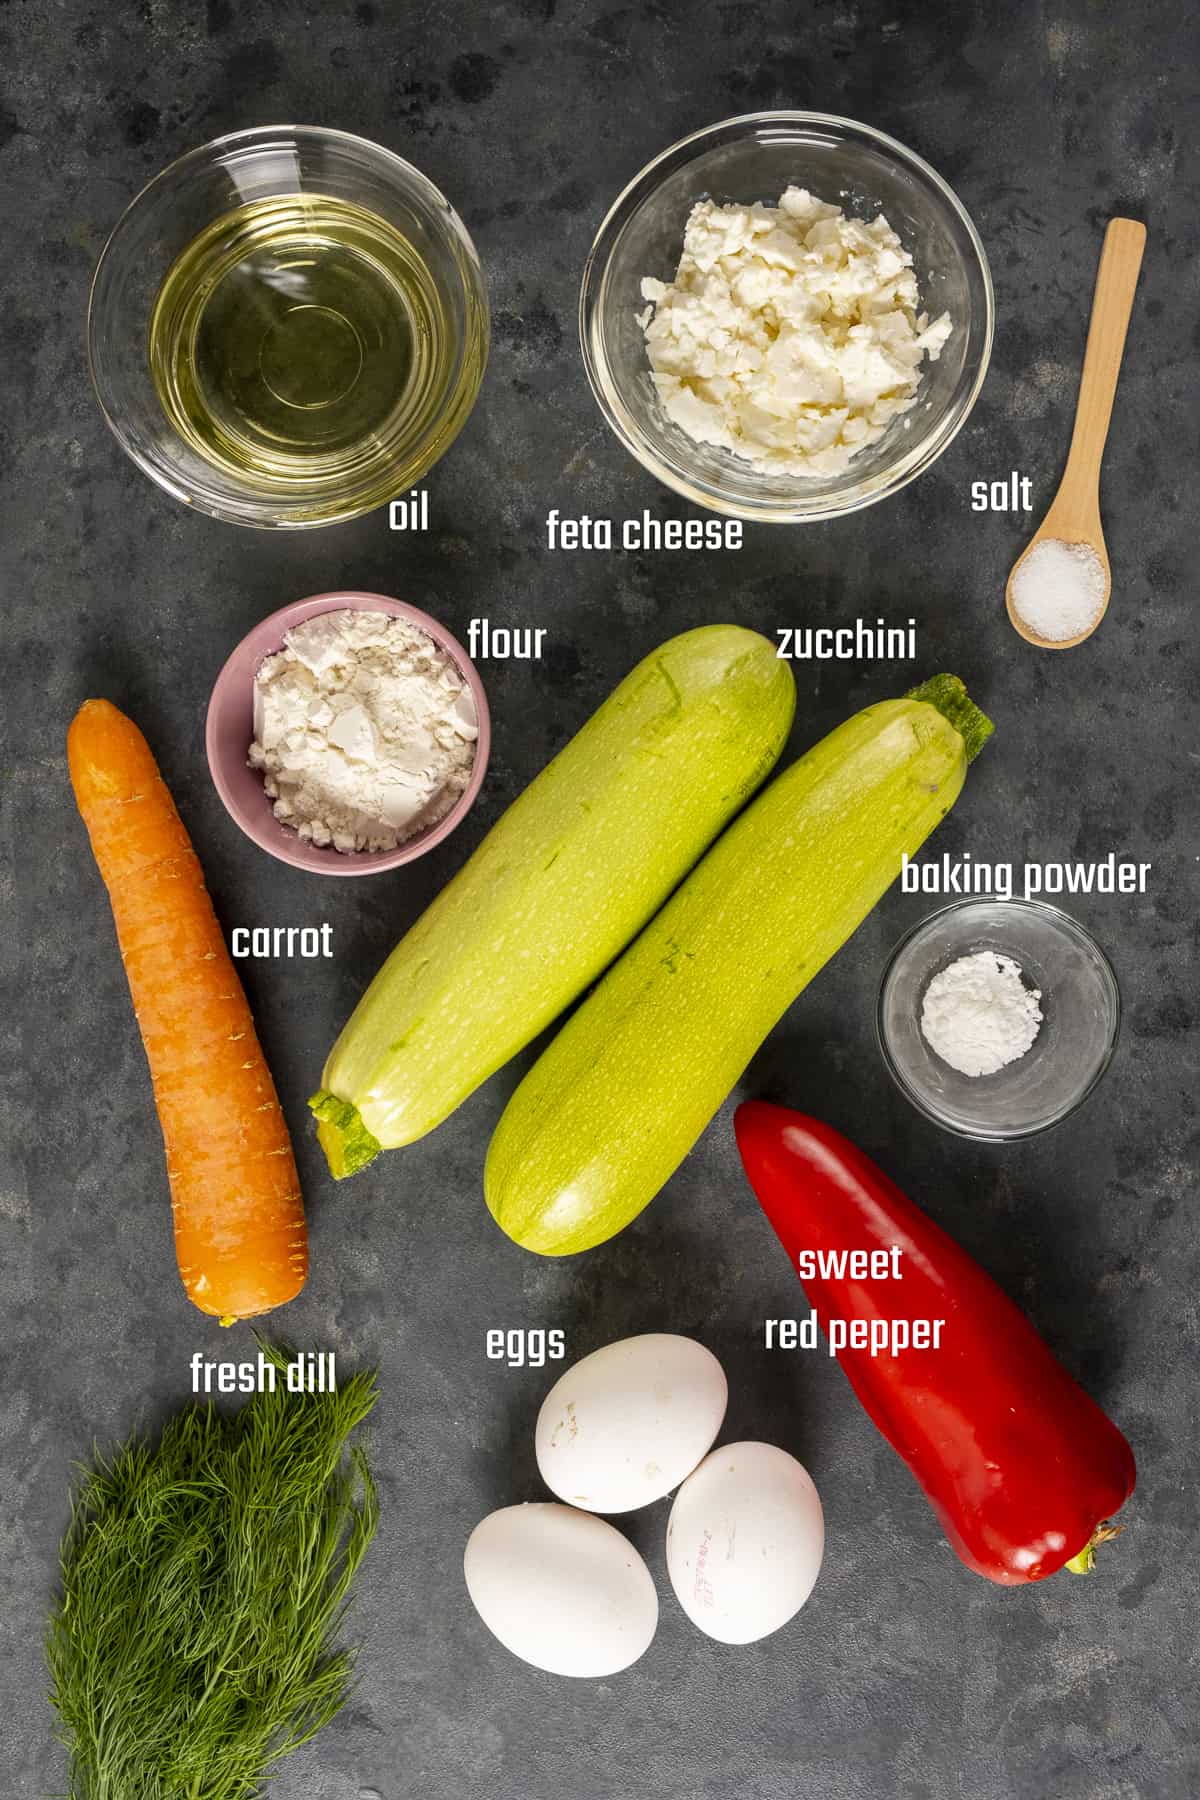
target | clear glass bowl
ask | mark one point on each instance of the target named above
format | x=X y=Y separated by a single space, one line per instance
x=1080 y=1005
x=755 y=158
x=209 y=183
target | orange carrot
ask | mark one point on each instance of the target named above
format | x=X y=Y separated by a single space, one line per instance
x=239 y=1216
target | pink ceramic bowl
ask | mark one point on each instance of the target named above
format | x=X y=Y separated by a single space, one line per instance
x=230 y=729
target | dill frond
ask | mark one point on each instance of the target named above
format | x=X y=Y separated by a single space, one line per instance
x=204 y=1585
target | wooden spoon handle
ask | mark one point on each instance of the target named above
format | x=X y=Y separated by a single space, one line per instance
x=1116 y=280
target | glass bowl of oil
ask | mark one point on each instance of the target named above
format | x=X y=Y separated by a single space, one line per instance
x=288 y=327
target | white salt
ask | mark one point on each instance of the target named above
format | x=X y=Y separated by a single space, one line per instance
x=1058 y=589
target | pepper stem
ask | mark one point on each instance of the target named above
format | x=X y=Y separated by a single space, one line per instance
x=1085 y=1562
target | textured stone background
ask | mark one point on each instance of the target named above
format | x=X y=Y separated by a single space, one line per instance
x=905 y=1676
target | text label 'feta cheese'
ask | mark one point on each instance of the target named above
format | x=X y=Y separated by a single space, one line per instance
x=642 y=533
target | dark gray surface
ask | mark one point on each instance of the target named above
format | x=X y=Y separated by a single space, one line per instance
x=905 y=1675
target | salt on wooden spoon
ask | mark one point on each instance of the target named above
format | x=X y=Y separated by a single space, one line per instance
x=1068 y=546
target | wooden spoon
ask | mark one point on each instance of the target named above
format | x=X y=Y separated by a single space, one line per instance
x=1074 y=515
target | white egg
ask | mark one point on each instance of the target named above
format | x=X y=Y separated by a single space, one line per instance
x=745 y=1541
x=628 y=1422
x=561 y=1589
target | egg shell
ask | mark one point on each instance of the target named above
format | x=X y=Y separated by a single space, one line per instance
x=561 y=1589
x=630 y=1421
x=745 y=1541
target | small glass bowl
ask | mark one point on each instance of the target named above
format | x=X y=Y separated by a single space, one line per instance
x=1081 y=1010
x=205 y=185
x=755 y=158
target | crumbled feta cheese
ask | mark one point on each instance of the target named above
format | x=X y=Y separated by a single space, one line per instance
x=791 y=335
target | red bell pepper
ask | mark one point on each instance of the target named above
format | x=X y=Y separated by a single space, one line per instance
x=1021 y=1467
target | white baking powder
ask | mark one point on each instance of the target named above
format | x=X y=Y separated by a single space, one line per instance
x=364 y=730
x=978 y=1015
x=1058 y=589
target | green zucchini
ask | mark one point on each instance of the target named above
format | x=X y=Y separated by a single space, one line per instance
x=615 y=1103
x=564 y=880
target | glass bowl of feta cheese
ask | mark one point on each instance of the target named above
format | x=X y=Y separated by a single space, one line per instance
x=787 y=316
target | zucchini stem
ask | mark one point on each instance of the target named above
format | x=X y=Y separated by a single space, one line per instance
x=347 y=1143
x=950 y=697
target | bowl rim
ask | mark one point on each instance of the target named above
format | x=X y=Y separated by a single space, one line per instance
x=1071 y=927
x=477 y=305
x=599 y=257
x=288 y=847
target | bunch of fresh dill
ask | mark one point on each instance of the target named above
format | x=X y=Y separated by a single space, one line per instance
x=204 y=1582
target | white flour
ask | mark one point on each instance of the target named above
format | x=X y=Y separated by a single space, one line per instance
x=364 y=730
x=978 y=1015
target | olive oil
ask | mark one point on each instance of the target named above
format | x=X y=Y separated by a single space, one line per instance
x=299 y=344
